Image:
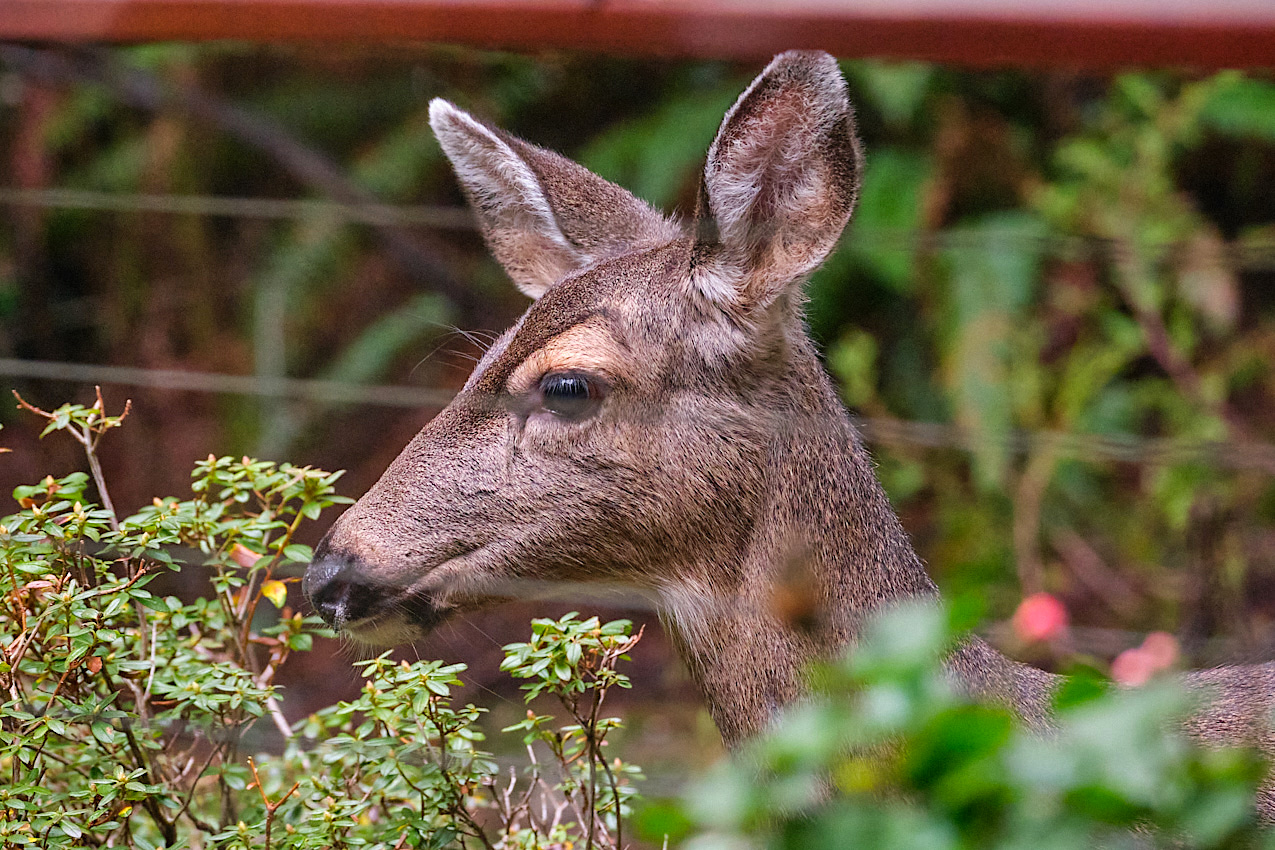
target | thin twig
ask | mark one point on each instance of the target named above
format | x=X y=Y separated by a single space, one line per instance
x=151 y=803
x=271 y=808
x=88 y=436
x=1088 y=567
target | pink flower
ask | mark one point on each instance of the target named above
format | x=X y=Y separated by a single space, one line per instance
x=1040 y=617
x=1133 y=667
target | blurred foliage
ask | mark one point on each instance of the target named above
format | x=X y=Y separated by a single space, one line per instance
x=889 y=755
x=1032 y=254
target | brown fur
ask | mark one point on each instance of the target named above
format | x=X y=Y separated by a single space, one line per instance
x=719 y=455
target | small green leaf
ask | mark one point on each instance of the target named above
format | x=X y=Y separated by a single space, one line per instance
x=154 y=603
x=299 y=553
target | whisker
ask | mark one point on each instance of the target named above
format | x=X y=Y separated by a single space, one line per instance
x=482 y=339
x=479 y=629
x=447 y=638
x=443 y=344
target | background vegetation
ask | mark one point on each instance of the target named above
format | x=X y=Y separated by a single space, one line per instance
x=1053 y=309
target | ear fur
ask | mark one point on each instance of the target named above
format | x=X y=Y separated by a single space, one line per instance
x=543 y=216
x=781 y=182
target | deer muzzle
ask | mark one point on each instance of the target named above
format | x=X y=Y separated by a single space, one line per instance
x=337 y=585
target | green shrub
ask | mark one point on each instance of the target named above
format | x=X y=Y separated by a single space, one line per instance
x=127 y=715
x=888 y=754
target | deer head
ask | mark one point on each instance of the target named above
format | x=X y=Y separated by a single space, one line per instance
x=627 y=427
x=659 y=417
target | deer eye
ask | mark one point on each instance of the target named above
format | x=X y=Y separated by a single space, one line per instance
x=570 y=395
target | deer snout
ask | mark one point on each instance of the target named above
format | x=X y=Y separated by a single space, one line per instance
x=344 y=590
x=332 y=585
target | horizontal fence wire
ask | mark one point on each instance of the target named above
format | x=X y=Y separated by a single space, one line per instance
x=879 y=430
x=1251 y=254
x=1255 y=254
x=300 y=389
x=219 y=206
x=1120 y=448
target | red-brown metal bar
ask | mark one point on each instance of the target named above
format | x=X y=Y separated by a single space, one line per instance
x=1082 y=34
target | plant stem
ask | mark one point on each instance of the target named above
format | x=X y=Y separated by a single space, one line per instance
x=151 y=803
x=99 y=481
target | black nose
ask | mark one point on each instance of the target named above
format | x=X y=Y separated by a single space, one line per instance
x=331 y=583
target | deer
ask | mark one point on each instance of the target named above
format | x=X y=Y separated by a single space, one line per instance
x=660 y=417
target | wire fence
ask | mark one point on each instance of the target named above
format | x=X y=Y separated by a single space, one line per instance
x=1256 y=254
x=1123 y=448
x=435 y=217
x=301 y=389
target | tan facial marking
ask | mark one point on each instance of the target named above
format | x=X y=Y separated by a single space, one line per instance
x=588 y=347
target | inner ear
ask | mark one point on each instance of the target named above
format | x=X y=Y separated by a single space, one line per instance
x=781 y=181
x=513 y=211
x=543 y=216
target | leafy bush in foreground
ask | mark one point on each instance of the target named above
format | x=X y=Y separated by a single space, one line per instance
x=126 y=716
x=888 y=754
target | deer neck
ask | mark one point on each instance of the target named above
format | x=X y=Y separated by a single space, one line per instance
x=825 y=549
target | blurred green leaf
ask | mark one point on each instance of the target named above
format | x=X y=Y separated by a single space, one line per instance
x=993 y=274
x=888 y=218
x=367 y=358
x=657 y=156
x=897 y=89
x=1242 y=106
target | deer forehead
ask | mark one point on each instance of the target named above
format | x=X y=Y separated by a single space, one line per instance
x=591 y=346
x=610 y=293
x=604 y=319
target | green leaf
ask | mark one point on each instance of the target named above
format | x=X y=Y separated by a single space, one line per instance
x=103 y=732
x=657 y=155
x=897 y=89
x=154 y=603
x=299 y=553
x=889 y=212
x=994 y=273
x=853 y=359
x=1241 y=106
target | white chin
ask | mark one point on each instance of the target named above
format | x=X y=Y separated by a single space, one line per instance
x=382 y=633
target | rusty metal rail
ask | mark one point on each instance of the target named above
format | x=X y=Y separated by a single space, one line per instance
x=1079 y=34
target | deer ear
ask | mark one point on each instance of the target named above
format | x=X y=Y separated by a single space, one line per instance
x=543 y=215
x=781 y=181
